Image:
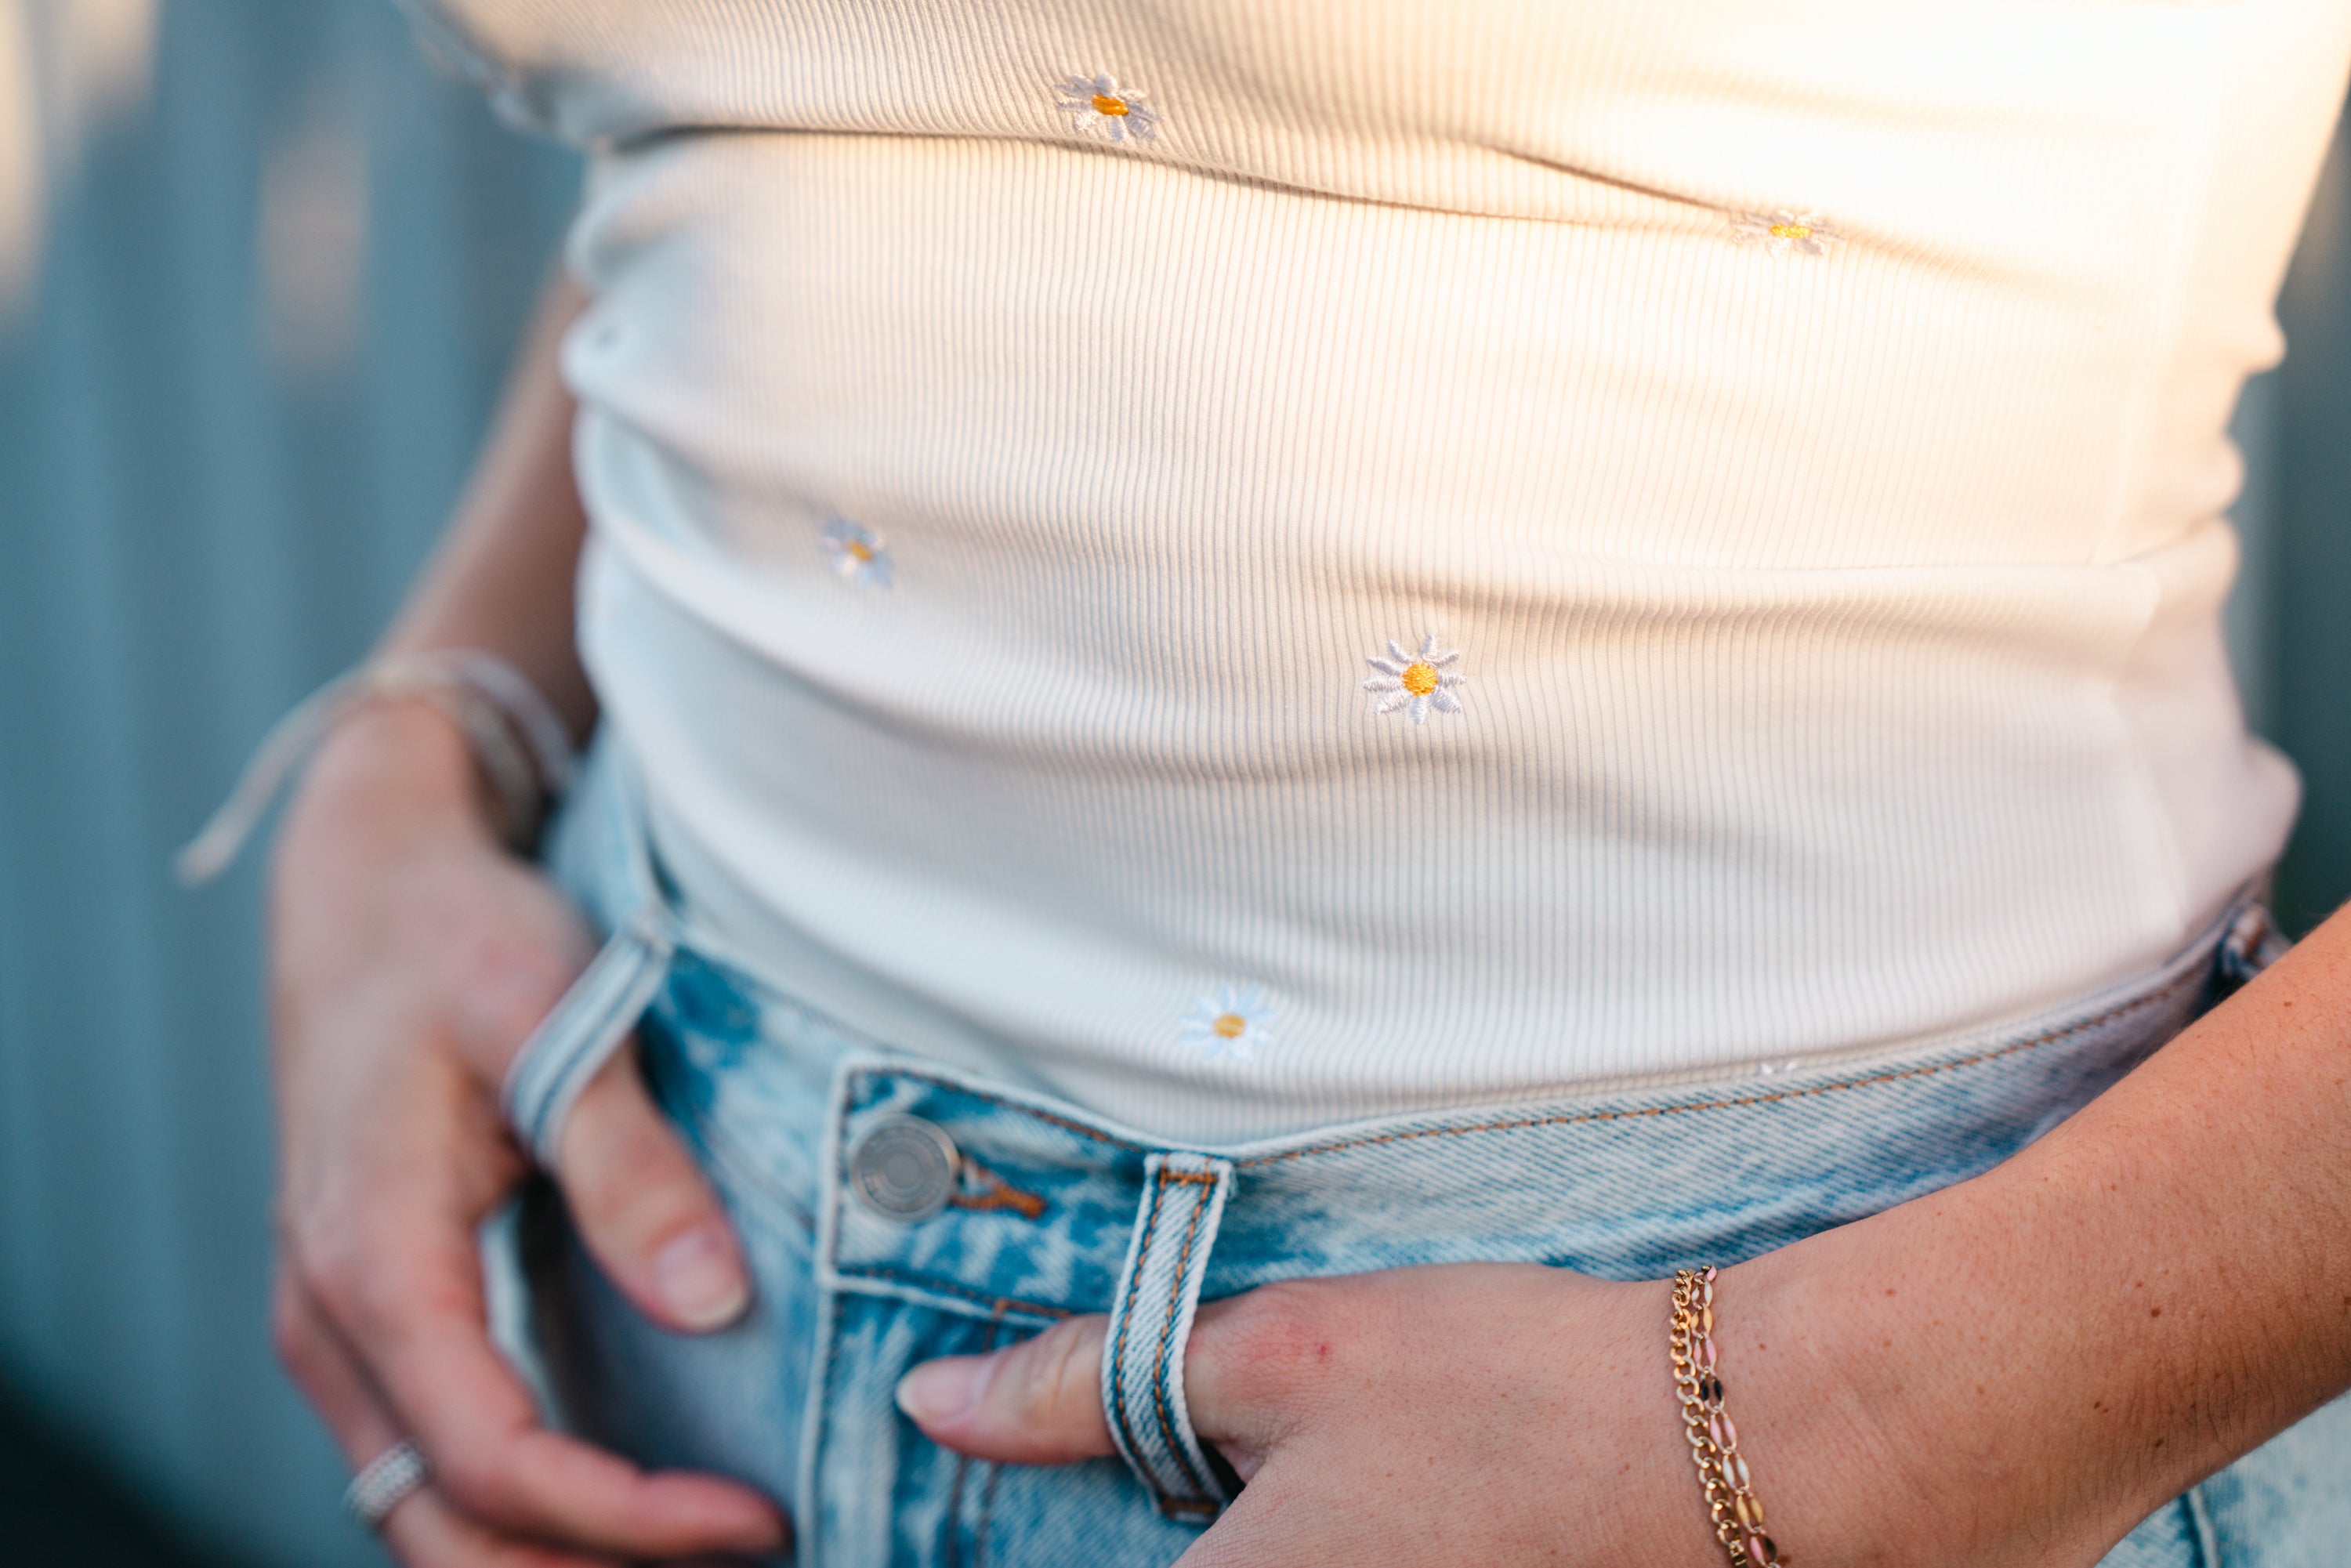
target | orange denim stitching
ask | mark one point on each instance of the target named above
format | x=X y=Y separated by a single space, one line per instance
x=1027 y=1204
x=951 y=1545
x=995 y=1192
x=1503 y=1127
x=1126 y=1319
x=1869 y=1082
x=1167 y=1336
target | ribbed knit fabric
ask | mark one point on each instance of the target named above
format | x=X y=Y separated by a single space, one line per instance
x=1012 y=426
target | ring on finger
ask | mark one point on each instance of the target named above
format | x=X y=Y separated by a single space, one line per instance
x=384 y=1481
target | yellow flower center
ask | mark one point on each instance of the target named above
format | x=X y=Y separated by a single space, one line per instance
x=1230 y=1025
x=1105 y=104
x=861 y=552
x=1791 y=231
x=1420 y=678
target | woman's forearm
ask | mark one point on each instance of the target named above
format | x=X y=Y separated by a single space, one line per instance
x=502 y=580
x=2023 y=1365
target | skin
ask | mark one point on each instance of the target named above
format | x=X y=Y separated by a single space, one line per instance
x=2014 y=1370
x=411 y=955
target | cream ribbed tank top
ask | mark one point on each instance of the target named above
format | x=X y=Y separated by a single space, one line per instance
x=1254 y=563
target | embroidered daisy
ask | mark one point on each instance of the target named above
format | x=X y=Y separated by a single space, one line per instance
x=1417 y=682
x=1233 y=1023
x=1100 y=107
x=859 y=556
x=1782 y=232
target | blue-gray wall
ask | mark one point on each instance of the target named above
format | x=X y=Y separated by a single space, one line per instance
x=273 y=306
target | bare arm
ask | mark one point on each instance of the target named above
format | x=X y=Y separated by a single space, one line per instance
x=502 y=579
x=2047 y=1353
x=410 y=956
x=2007 y=1374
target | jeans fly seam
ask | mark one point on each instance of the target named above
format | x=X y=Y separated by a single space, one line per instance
x=954 y=1532
x=1868 y=1081
x=1167 y=1339
x=987 y=1515
x=822 y=1440
x=1126 y=1320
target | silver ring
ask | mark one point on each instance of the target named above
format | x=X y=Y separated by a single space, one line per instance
x=383 y=1482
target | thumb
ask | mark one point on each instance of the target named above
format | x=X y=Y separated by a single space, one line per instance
x=644 y=1210
x=1036 y=1403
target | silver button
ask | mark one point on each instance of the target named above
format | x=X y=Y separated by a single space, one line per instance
x=903 y=1167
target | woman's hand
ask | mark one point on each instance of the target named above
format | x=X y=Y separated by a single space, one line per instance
x=410 y=955
x=2011 y=1372
x=1474 y=1414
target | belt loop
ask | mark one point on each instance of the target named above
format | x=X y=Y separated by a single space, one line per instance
x=1150 y=1318
x=590 y=1020
x=579 y=1035
x=2252 y=943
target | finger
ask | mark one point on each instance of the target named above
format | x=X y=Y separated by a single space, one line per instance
x=644 y=1210
x=1035 y=1403
x=329 y=1377
x=1254 y=1366
x=1259 y=1364
x=427 y=1531
x=421 y=1528
x=414 y=1316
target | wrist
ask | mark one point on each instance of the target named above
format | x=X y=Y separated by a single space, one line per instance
x=1822 y=1423
x=1919 y=1414
x=401 y=763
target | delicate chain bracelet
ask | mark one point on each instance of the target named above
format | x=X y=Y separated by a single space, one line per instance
x=1713 y=1441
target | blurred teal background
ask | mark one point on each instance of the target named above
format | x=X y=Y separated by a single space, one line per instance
x=268 y=263
x=282 y=260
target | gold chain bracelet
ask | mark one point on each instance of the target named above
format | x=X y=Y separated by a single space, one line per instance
x=1714 y=1441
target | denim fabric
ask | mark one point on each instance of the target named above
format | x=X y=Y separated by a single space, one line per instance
x=1053 y=1211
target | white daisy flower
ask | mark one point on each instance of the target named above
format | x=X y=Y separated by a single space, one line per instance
x=1417 y=682
x=1782 y=232
x=1099 y=105
x=859 y=556
x=1234 y=1022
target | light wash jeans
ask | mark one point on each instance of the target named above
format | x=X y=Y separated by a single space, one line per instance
x=1005 y=1211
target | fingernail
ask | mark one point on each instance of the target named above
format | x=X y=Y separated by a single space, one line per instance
x=700 y=1281
x=942 y=1390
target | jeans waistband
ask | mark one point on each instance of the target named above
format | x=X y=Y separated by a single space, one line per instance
x=946 y=1191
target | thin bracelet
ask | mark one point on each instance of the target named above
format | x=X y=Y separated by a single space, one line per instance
x=1730 y=1497
x=511 y=729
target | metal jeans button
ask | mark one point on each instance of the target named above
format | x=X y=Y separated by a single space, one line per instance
x=903 y=1167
